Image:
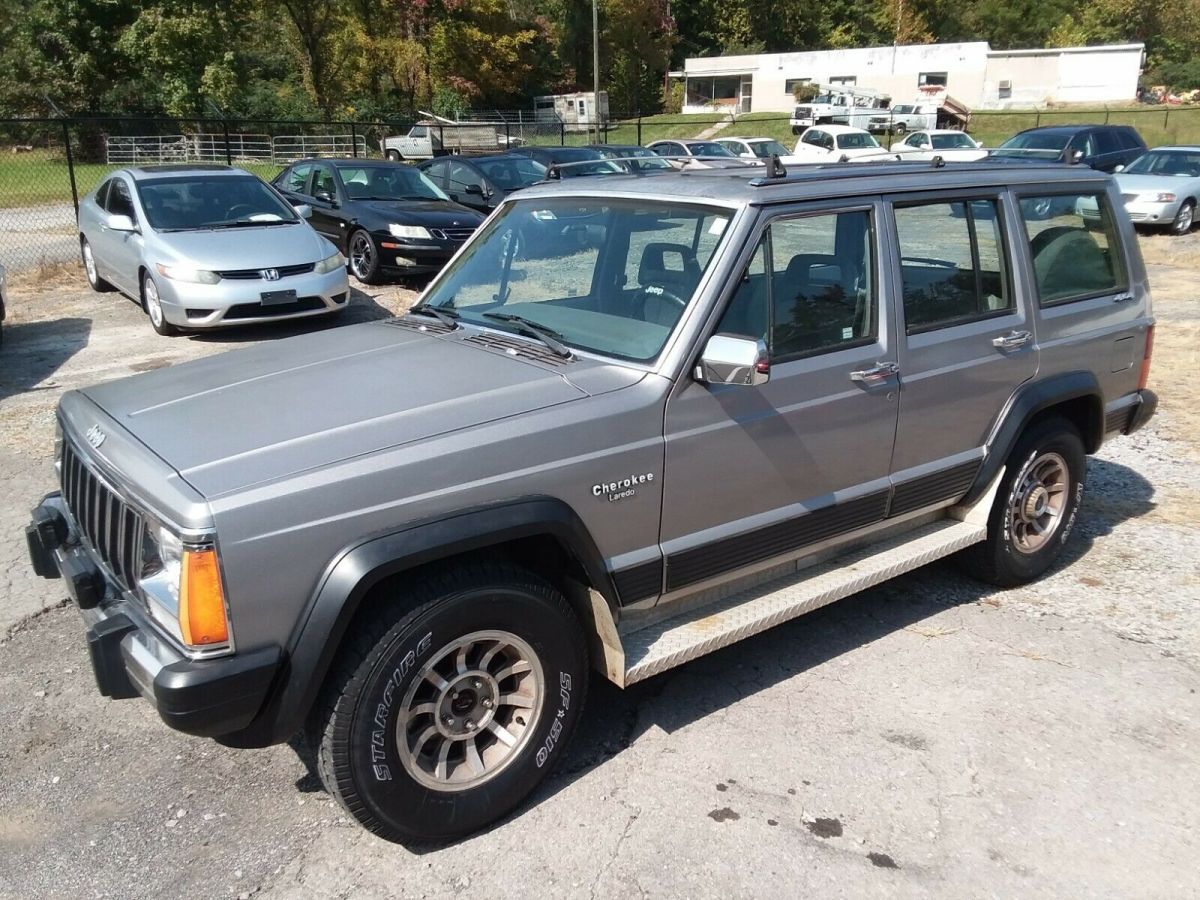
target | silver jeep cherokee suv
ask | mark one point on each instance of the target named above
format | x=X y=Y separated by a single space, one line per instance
x=637 y=418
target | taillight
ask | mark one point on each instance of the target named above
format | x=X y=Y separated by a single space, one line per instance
x=1145 y=377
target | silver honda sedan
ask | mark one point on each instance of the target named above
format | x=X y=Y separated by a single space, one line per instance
x=207 y=246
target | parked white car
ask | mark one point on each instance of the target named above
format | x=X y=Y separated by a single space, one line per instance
x=949 y=144
x=834 y=143
x=904 y=117
x=756 y=148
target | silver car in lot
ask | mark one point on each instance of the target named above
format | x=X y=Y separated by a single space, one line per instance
x=207 y=246
x=1161 y=187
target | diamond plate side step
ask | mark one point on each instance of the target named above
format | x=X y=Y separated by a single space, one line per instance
x=666 y=644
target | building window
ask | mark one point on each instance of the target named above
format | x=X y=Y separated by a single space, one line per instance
x=720 y=90
x=932 y=79
x=844 y=80
x=790 y=84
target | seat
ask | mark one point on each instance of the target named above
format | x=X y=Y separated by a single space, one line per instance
x=1068 y=261
x=673 y=267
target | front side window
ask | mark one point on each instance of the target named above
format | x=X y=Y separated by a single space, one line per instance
x=323 y=182
x=952 y=263
x=461 y=177
x=766 y=149
x=1074 y=245
x=612 y=277
x=853 y=140
x=810 y=287
x=517 y=172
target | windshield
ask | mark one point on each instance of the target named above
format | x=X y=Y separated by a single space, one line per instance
x=708 y=148
x=511 y=173
x=952 y=142
x=855 y=141
x=1177 y=163
x=190 y=202
x=609 y=276
x=388 y=182
x=764 y=149
x=1037 y=140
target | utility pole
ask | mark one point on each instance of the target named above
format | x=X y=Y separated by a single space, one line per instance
x=596 y=69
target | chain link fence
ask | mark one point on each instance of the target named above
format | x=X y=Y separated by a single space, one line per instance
x=47 y=165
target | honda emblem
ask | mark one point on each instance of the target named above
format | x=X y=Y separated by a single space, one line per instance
x=270 y=274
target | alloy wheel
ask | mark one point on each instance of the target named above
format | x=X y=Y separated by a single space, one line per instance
x=1038 y=500
x=153 y=304
x=362 y=256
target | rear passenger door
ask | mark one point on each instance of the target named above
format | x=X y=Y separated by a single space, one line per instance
x=761 y=472
x=967 y=337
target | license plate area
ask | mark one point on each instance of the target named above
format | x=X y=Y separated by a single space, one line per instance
x=277 y=298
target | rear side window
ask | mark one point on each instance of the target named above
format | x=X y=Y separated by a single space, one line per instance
x=1074 y=246
x=1107 y=142
x=952 y=263
x=1132 y=139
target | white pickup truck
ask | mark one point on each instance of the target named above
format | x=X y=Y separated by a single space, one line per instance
x=430 y=139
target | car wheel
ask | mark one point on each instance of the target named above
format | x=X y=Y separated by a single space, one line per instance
x=153 y=307
x=451 y=702
x=363 y=257
x=901 y=128
x=89 y=268
x=1035 y=507
x=1184 y=218
x=394 y=155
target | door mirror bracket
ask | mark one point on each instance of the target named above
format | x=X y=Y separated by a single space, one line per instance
x=731 y=359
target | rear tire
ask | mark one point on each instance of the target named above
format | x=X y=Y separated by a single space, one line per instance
x=900 y=128
x=1035 y=507
x=97 y=283
x=450 y=702
x=394 y=155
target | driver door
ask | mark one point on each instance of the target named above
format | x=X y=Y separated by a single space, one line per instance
x=757 y=474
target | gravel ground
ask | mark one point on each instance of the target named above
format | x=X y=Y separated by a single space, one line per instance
x=929 y=737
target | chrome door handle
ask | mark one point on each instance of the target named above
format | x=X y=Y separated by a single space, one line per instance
x=1012 y=340
x=1122 y=298
x=877 y=372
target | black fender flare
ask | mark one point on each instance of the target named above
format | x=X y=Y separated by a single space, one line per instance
x=351 y=575
x=1032 y=398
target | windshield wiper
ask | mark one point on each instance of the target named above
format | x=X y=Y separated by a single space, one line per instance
x=445 y=315
x=250 y=223
x=528 y=327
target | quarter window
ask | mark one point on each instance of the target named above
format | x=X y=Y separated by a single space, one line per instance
x=120 y=203
x=1074 y=246
x=810 y=287
x=951 y=263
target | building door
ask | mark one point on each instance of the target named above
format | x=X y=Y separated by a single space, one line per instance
x=746 y=97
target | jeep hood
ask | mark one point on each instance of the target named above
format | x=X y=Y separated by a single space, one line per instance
x=283 y=407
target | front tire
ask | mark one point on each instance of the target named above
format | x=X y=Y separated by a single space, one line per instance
x=1184 y=218
x=451 y=703
x=96 y=283
x=1035 y=507
x=152 y=305
x=363 y=257
x=394 y=155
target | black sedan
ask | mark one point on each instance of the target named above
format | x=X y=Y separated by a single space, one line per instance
x=481 y=182
x=571 y=161
x=388 y=218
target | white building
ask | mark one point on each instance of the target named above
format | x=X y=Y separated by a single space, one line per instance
x=973 y=73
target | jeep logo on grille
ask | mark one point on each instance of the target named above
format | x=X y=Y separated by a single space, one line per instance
x=270 y=274
x=95 y=436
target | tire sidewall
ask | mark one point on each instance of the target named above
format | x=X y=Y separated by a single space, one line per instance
x=379 y=776
x=1175 y=225
x=1064 y=441
x=372 y=274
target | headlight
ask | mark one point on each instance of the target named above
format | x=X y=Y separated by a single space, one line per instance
x=412 y=232
x=1159 y=198
x=330 y=264
x=182 y=586
x=187 y=273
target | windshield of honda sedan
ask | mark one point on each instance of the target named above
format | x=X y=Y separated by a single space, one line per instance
x=194 y=202
x=608 y=276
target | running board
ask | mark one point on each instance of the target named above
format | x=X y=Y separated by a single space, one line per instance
x=672 y=642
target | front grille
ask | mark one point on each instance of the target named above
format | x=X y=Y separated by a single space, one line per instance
x=802 y=112
x=452 y=234
x=109 y=526
x=257 y=274
x=258 y=311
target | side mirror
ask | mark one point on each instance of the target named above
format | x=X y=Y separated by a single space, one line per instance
x=1120 y=168
x=303 y=210
x=729 y=359
x=326 y=197
x=120 y=223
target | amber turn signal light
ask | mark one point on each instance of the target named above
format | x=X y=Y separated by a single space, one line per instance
x=201 y=600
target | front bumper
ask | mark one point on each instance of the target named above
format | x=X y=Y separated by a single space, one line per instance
x=240 y=301
x=1145 y=213
x=205 y=697
x=402 y=257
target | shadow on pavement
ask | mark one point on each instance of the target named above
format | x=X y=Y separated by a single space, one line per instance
x=363 y=307
x=33 y=351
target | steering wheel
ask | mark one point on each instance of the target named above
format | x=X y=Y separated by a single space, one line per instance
x=661 y=292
